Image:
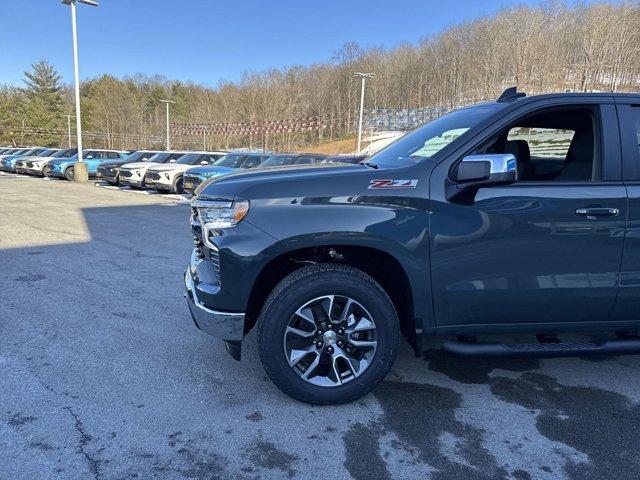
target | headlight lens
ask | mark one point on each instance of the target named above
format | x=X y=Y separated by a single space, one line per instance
x=215 y=215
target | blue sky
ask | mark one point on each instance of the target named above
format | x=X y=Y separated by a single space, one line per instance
x=209 y=40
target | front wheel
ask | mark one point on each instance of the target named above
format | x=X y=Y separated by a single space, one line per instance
x=46 y=171
x=328 y=334
x=178 y=186
x=69 y=173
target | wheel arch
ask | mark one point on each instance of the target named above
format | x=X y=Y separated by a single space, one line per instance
x=382 y=266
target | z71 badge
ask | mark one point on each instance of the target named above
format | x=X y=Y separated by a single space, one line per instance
x=387 y=183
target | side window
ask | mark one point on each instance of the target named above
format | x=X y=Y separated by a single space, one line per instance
x=112 y=155
x=251 y=162
x=544 y=142
x=560 y=144
x=306 y=160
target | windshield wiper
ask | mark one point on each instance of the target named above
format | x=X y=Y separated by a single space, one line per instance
x=370 y=165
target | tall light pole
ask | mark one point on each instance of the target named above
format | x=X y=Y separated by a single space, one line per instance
x=69 y=128
x=167 y=102
x=80 y=171
x=364 y=77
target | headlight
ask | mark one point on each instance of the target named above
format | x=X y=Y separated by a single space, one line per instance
x=216 y=215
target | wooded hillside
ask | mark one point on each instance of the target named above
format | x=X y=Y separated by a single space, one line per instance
x=555 y=47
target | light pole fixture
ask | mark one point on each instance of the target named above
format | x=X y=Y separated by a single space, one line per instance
x=167 y=103
x=364 y=77
x=80 y=174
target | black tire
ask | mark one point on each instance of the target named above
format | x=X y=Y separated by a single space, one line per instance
x=46 y=171
x=178 y=188
x=69 y=173
x=304 y=285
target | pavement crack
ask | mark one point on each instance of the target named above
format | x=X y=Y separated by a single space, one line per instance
x=85 y=438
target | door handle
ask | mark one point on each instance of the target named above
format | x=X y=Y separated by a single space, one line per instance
x=595 y=212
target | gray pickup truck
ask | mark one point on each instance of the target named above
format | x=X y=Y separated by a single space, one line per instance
x=516 y=216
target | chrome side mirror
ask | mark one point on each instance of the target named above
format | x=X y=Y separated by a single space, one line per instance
x=487 y=169
x=480 y=171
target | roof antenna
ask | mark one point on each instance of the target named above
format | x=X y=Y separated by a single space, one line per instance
x=510 y=94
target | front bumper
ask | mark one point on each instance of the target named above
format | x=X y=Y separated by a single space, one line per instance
x=6 y=167
x=190 y=183
x=200 y=278
x=56 y=174
x=108 y=177
x=132 y=181
x=162 y=184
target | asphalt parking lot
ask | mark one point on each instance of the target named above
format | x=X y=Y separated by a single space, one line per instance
x=103 y=375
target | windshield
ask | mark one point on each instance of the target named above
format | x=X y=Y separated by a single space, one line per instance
x=232 y=160
x=139 y=157
x=161 y=157
x=278 y=160
x=48 y=153
x=189 y=159
x=429 y=139
x=66 y=153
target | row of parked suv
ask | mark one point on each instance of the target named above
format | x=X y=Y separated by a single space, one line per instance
x=165 y=171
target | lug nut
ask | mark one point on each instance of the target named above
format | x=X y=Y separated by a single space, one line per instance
x=319 y=332
x=340 y=343
x=329 y=326
x=318 y=344
x=340 y=331
x=330 y=349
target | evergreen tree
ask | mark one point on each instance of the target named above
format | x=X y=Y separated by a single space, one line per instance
x=44 y=102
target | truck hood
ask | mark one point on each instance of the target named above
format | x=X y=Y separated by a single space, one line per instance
x=287 y=181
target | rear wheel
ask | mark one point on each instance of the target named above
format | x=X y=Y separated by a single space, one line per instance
x=328 y=334
x=70 y=173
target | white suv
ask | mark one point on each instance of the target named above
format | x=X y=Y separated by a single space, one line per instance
x=168 y=177
x=133 y=174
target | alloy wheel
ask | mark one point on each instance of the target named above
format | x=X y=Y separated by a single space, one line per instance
x=330 y=340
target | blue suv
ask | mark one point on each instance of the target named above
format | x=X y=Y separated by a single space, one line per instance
x=64 y=167
x=8 y=163
x=230 y=163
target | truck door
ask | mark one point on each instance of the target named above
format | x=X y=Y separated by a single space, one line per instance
x=545 y=250
x=628 y=303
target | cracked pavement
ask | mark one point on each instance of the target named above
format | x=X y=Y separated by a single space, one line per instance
x=103 y=375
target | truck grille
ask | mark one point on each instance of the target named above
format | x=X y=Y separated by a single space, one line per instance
x=152 y=176
x=29 y=164
x=125 y=173
x=215 y=261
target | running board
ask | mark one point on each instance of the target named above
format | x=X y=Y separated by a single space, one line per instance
x=541 y=350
